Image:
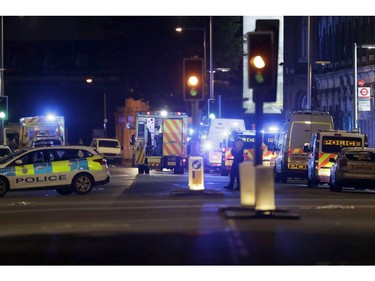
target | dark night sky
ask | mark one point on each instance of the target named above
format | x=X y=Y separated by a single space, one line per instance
x=145 y=49
x=146 y=52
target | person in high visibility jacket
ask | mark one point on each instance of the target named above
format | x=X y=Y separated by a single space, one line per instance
x=238 y=157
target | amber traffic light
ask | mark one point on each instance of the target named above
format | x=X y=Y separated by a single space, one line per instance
x=193 y=79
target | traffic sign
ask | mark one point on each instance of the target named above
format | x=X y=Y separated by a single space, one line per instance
x=361 y=83
x=364 y=105
x=364 y=92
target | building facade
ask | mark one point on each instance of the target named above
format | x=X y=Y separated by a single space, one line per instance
x=332 y=41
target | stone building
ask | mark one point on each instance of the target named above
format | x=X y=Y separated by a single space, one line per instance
x=332 y=89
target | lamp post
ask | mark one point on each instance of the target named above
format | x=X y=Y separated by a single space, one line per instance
x=364 y=46
x=2 y=135
x=309 y=70
x=221 y=69
x=105 y=119
x=195 y=146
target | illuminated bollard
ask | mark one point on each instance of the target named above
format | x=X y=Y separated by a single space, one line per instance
x=264 y=191
x=196 y=173
x=247 y=184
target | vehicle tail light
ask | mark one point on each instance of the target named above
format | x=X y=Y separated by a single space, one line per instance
x=343 y=162
x=101 y=161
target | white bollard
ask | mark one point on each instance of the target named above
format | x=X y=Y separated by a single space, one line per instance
x=247 y=184
x=264 y=191
x=196 y=173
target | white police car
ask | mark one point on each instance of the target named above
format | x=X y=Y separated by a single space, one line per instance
x=64 y=168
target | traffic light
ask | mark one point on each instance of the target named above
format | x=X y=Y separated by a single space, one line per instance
x=193 y=81
x=3 y=108
x=262 y=64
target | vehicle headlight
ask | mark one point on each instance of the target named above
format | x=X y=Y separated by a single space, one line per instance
x=207 y=146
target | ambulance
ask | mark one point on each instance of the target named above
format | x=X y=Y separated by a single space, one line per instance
x=326 y=144
x=248 y=137
x=212 y=137
x=41 y=127
x=160 y=141
x=296 y=132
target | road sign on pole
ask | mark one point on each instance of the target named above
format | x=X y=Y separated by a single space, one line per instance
x=364 y=92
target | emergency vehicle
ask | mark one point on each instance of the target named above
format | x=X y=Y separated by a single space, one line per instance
x=296 y=132
x=161 y=141
x=212 y=136
x=269 y=139
x=326 y=144
x=41 y=126
x=67 y=169
x=248 y=137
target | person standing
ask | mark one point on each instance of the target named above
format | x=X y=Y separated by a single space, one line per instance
x=237 y=153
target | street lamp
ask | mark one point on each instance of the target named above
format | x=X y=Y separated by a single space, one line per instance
x=195 y=146
x=105 y=120
x=364 y=46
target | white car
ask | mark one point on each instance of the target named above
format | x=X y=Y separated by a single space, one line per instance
x=109 y=148
x=354 y=167
x=64 y=168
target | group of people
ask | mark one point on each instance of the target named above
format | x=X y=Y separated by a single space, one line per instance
x=237 y=152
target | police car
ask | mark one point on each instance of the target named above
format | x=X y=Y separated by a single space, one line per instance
x=354 y=167
x=67 y=169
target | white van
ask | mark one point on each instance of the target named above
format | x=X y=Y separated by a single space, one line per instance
x=109 y=148
x=296 y=132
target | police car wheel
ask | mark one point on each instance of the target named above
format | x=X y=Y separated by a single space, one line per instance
x=64 y=191
x=4 y=186
x=82 y=183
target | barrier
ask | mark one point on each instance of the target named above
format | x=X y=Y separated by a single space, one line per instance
x=265 y=191
x=247 y=183
x=196 y=173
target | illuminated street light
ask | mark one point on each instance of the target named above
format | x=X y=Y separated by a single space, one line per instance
x=364 y=46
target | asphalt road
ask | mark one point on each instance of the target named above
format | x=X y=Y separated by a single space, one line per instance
x=155 y=220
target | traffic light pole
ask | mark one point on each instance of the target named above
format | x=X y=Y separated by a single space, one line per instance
x=2 y=137
x=195 y=145
x=258 y=126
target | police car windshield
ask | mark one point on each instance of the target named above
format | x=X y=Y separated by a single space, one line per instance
x=11 y=156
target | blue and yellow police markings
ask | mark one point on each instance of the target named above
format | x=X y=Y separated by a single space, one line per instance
x=25 y=170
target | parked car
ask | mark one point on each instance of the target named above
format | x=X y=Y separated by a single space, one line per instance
x=109 y=148
x=354 y=167
x=67 y=169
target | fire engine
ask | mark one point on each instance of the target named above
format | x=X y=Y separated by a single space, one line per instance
x=161 y=141
x=41 y=126
x=248 y=137
x=326 y=144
